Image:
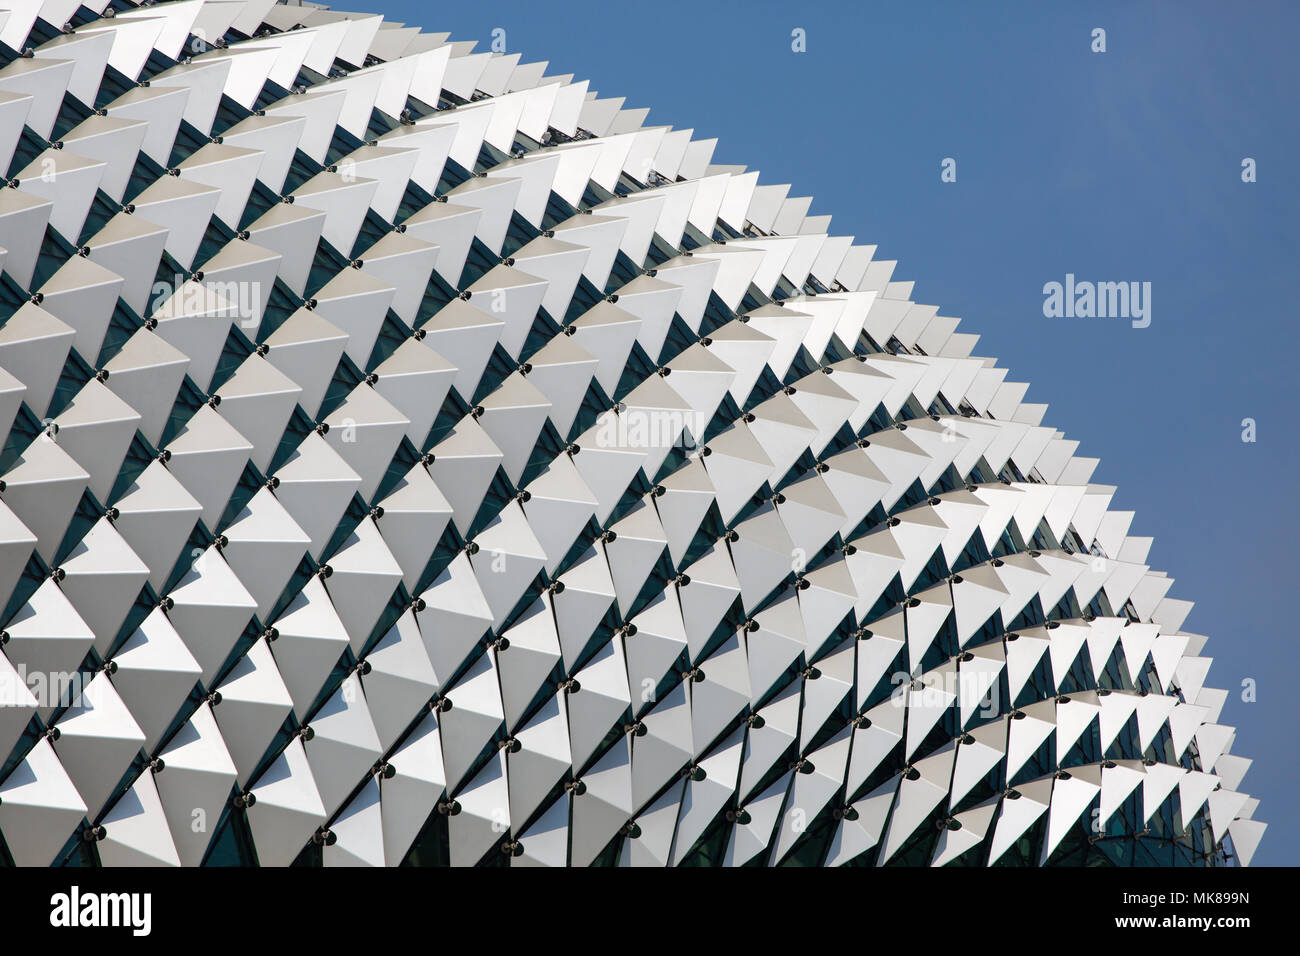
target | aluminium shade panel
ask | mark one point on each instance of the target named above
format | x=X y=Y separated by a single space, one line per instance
x=414 y=458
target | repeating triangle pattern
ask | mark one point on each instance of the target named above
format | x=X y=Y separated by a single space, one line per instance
x=412 y=457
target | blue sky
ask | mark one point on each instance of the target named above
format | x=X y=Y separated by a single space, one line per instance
x=1116 y=166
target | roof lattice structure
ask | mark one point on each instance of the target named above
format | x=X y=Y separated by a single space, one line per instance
x=414 y=457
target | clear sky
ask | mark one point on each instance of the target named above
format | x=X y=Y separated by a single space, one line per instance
x=1117 y=166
